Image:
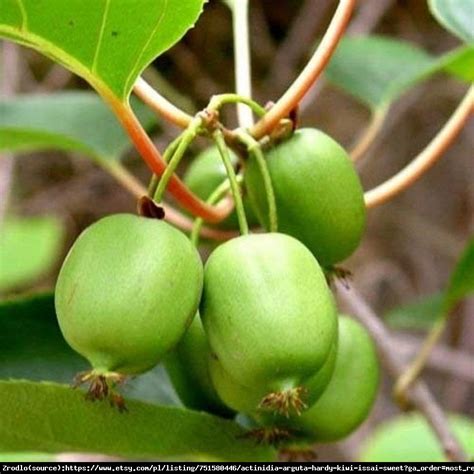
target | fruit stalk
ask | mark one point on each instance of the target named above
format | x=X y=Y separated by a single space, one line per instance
x=184 y=140
x=234 y=185
x=170 y=150
x=154 y=160
x=255 y=150
x=215 y=196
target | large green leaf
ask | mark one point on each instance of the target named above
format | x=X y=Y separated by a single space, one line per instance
x=77 y=121
x=31 y=344
x=54 y=418
x=26 y=457
x=376 y=70
x=32 y=347
x=107 y=42
x=28 y=248
x=456 y=16
x=408 y=438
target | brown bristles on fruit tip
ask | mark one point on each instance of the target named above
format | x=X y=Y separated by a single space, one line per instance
x=102 y=387
x=297 y=455
x=268 y=435
x=285 y=402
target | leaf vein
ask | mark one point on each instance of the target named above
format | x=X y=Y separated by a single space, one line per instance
x=145 y=46
x=101 y=37
x=24 y=16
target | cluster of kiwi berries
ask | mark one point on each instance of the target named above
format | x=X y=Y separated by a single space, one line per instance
x=256 y=331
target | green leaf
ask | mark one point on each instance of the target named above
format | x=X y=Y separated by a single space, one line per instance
x=32 y=347
x=28 y=249
x=26 y=457
x=460 y=63
x=420 y=314
x=408 y=438
x=456 y=16
x=376 y=70
x=108 y=43
x=461 y=283
x=31 y=344
x=54 y=418
x=70 y=121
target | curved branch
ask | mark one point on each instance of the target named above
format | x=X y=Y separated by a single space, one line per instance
x=160 y=105
x=173 y=216
x=368 y=136
x=291 y=98
x=427 y=158
x=155 y=162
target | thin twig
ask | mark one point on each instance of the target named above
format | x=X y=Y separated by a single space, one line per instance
x=155 y=162
x=427 y=158
x=364 y=21
x=442 y=359
x=414 y=369
x=263 y=42
x=369 y=134
x=301 y=34
x=368 y=16
x=310 y=73
x=136 y=189
x=189 y=65
x=419 y=394
x=392 y=120
x=242 y=60
x=160 y=105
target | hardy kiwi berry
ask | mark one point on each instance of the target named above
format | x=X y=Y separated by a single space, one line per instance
x=126 y=293
x=319 y=197
x=269 y=315
x=350 y=394
x=187 y=366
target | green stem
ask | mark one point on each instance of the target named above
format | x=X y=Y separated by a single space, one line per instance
x=185 y=139
x=234 y=185
x=254 y=148
x=215 y=196
x=219 y=100
x=412 y=372
x=166 y=157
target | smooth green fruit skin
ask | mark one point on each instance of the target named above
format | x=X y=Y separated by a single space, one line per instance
x=267 y=311
x=206 y=173
x=247 y=400
x=409 y=438
x=351 y=392
x=187 y=366
x=127 y=291
x=319 y=197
